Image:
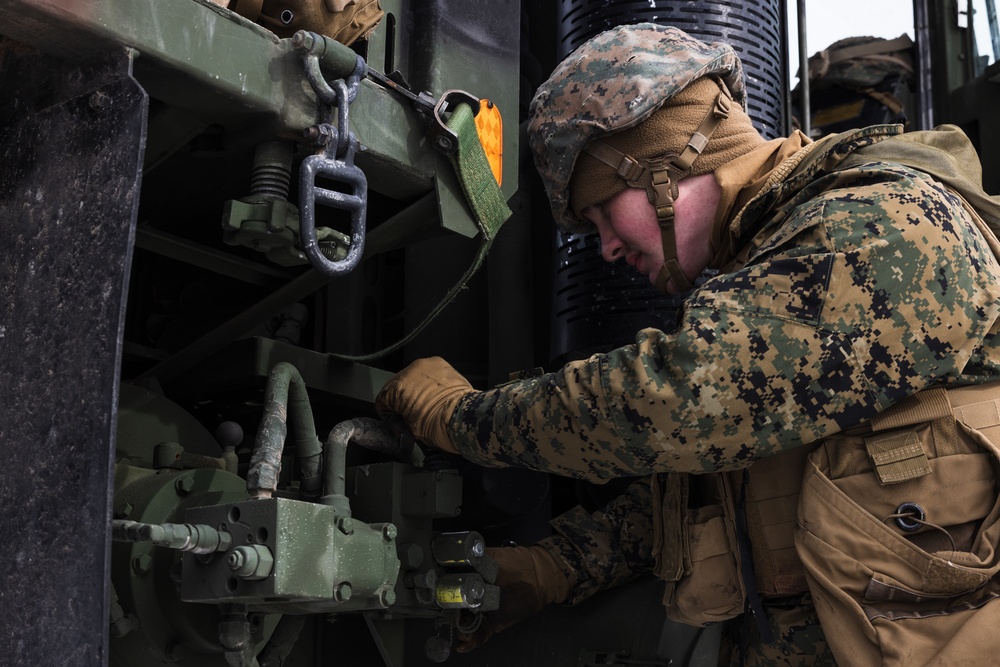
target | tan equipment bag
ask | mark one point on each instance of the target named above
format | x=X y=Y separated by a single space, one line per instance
x=899 y=527
x=694 y=539
x=343 y=20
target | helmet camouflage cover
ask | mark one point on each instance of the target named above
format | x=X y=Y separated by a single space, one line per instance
x=610 y=83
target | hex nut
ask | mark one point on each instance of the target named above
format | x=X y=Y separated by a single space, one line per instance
x=253 y=562
x=342 y=593
x=142 y=564
x=411 y=556
x=235 y=560
x=389 y=532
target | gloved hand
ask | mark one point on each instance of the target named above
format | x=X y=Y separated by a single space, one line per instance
x=529 y=579
x=425 y=395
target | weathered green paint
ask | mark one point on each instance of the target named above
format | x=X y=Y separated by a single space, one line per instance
x=323 y=562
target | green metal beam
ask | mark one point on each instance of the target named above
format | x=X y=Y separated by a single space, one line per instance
x=193 y=54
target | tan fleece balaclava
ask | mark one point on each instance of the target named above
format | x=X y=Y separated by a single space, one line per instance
x=664 y=134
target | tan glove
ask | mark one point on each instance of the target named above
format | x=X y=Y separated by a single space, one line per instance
x=425 y=395
x=529 y=579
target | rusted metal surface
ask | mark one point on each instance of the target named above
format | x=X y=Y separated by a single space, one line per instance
x=72 y=141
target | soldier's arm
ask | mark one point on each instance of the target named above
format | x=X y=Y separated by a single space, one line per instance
x=863 y=296
x=605 y=548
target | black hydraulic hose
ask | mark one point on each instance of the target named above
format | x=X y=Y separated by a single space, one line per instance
x=286 y=403
x=282 y=640
x=370 y=434
x=236 y=637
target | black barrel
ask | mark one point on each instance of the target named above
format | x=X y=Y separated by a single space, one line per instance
x=598 y=306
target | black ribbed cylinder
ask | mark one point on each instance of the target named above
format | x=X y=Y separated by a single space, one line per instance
x=599 y=306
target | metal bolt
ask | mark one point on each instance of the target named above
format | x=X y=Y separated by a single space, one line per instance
x=303 y=40
x=235 y=560
x=476 y=590
x=184 y=485
x=478 y=548
x=411 y=556
x=444 y=143
x=342 y=593
x=387 y=597
x=389 y=532
x=142 y=564
x=319 y=135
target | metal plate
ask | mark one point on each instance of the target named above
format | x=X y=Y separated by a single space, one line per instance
x=69 y=177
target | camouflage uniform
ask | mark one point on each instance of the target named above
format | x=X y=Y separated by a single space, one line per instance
x=861 y=286
x=854 y=280
x=864 y=281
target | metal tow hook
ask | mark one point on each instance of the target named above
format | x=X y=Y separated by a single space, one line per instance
x=336 y=161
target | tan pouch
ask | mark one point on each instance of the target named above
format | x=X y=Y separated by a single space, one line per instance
x=886 y=595
x=697 y=553
x=343 y=20
x=772 y=505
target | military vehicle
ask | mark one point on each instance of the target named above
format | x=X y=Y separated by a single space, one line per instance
x=219 y=243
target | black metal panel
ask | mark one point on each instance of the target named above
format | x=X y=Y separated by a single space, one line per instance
x=71 y=138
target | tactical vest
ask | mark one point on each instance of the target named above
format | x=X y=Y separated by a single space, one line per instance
x=897 y=535
x=920 y=480
x=899 y=532
x=898 y=446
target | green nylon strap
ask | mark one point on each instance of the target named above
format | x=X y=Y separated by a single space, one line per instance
x=489 y=210
x=481 y=190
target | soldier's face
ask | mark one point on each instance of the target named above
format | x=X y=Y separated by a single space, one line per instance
x=628 y=227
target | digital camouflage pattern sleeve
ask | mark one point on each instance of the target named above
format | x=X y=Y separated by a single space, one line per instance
x=870 y=285
x=607 y=547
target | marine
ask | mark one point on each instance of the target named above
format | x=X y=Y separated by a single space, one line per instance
x=853 y=283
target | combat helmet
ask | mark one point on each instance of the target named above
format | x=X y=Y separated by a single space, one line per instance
x=611 y=83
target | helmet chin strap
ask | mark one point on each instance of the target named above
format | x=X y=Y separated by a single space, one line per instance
x=659 y=177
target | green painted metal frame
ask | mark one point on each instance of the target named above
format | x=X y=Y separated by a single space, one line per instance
x=214 y=65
